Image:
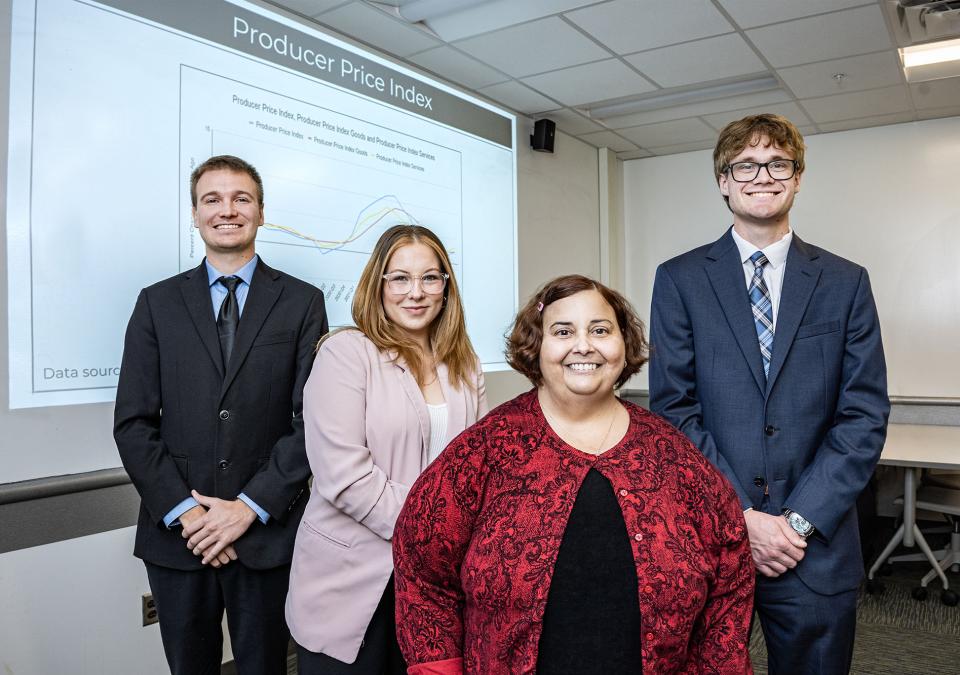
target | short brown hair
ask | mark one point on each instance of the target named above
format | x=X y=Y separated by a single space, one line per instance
x=526 y=337
x=230 y=163
x=751 y=130
x=448 y=332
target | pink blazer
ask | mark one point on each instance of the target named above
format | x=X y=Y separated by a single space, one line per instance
x=367 y=433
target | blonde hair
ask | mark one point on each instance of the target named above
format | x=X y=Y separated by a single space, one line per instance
x=448 y=332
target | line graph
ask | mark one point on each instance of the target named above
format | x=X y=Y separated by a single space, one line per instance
x=330 y=191
x=365 y=222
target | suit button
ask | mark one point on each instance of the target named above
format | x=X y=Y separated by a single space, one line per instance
x=758 y=481
x=623 y=493
x=769 y=430
x=223 y=464
x=224 y=415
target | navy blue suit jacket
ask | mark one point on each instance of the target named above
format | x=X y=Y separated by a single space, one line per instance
x=811 y=433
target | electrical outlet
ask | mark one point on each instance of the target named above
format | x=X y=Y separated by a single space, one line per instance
x=149 y=609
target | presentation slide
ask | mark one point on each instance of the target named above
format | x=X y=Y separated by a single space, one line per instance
x=114 y=103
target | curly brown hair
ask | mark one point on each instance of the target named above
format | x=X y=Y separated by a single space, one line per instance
x=526 y=337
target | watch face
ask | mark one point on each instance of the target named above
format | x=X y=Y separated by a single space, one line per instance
x=799 y=523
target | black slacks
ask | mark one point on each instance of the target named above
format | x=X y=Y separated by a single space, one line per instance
x=190 y=606
x=379 y=653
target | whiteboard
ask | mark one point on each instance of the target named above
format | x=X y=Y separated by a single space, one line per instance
x=885 y=197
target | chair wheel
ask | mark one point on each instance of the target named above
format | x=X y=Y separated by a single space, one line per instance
x=875 y=587
x=919 y=593
x=949 y=598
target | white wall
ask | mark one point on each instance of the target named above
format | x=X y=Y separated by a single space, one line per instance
x=884 y=197
x=558 y=228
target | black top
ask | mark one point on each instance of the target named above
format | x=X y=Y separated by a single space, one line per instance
x=592 y=620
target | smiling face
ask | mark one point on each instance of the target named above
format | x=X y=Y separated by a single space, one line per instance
x=763 y=201
x=415 y=310
x=227 y=213
x=582 y=353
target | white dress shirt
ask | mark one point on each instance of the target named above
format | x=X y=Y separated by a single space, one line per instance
x=772 y=272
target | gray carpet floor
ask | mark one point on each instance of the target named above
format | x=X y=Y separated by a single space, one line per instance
x=896 y=635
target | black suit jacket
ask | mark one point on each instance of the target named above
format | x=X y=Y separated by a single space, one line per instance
x=182 y=423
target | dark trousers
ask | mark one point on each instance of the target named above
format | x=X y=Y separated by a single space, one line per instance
x=806 y=633
x=190 y=608
x=379 y=652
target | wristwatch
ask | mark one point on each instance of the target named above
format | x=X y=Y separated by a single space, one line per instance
x=800 y=525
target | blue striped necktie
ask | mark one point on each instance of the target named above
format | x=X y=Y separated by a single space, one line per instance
x=762 y=309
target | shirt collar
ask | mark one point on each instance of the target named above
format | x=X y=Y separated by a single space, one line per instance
x=245 y=273
x=776 y=252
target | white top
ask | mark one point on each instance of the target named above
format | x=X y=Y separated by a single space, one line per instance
x=773 y=272
x=438 y=430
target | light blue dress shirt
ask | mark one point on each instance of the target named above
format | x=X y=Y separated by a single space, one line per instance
x=218 y=293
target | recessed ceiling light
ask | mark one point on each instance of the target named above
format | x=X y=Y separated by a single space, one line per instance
x=931 y=61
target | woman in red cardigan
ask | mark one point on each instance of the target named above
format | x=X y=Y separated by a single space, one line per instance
x=569 y=531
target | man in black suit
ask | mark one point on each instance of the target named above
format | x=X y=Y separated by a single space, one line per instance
x=208 y=424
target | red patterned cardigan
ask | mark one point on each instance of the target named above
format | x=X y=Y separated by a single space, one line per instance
x=476 y=542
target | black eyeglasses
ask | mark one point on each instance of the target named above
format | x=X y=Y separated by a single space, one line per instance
x=779 y=169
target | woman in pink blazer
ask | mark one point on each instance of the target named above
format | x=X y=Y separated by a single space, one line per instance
x=381 y=403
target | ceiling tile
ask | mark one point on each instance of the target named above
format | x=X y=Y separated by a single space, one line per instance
x=376 y=28
x=634 y=154
x=533 y=48
x=607 y=139
x=669 y=133
x=685 y=147
x=591 y=82
x=882 y=101
x=460 y=68
x=627 y=26
x=864 y=122
x=308 y=7
x=936 y=93
x=694 y=109
x=498 y=14
x=519 y=97
x=808 y=131
x=934 y=113
x=828 y=36
x=860 y=72
x=750 y=13
x=789 y=110
x=715 y=58
x=572 y=122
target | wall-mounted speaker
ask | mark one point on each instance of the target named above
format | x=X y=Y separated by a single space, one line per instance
x=543 y=133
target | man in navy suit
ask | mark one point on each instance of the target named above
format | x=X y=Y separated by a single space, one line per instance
x=209 y=426
x=766 y=352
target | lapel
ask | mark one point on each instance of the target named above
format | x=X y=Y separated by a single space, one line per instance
x=195 y=290
x=799 y=279
x=264 y=292
x=412 y=390
x=725 y=271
